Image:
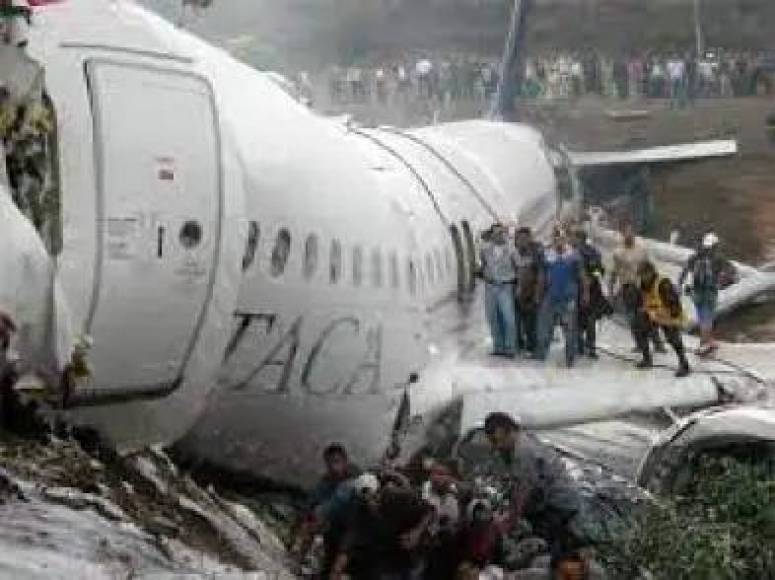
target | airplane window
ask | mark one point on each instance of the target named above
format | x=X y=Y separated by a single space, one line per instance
x=412 y=278
x=395 y=279
x=251 y=246
x=335 y=270
x=190 y=234
x=281 y=252
x=310 y=256
x=448 y=261
x=439 y=265
x=429 y=272
x=357 y=266
x=376 y=268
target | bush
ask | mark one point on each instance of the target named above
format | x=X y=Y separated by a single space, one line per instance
x=722 y=527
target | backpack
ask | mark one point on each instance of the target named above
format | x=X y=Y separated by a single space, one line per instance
x=704 y=274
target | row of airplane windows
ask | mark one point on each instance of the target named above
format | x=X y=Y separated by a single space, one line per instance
x=437 y=265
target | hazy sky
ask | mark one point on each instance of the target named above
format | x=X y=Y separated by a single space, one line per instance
x=288 y=34
x=266 y=32
x=280 y=33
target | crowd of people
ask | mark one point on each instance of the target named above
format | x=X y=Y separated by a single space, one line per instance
x=530 y=289
x=437 y=518
x=442 y=81
x=434 y=519
x=680 y=77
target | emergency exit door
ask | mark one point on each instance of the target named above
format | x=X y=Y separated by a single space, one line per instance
x=159 y=206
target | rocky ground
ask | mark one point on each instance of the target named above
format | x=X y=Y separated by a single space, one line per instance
x=70 y=514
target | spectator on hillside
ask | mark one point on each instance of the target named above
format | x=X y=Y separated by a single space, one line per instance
x=657 y=79
x=677 y=76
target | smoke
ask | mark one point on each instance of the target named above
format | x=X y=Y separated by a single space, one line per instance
x=306 y=33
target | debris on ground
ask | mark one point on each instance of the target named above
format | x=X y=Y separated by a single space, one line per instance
x=72 y=514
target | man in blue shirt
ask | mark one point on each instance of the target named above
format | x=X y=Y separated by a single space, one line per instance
x=328 y=507
x=565 y=283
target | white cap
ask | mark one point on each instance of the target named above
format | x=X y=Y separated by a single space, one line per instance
x=709 y=240
x=366 y=482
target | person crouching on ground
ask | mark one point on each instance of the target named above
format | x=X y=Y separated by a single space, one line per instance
x=660 y=308
x=386 y=527
x=710 y=272
x=539 y=487
x=499 y=277
x=328 y=507
x=565 y=283
x=440 y=491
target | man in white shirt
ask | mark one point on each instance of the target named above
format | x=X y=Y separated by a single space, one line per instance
x=624 y=282
x=676 y=73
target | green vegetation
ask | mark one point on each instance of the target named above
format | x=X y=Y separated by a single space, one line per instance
x=721 y=528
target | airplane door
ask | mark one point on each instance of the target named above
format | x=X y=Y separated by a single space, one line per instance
x=159 y=206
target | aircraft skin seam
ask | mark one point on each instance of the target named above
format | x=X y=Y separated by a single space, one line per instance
x=448 y=164
x=416 y=174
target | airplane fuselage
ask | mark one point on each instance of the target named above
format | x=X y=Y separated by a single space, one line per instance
x=221 y=239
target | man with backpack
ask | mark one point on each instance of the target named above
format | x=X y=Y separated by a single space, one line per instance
x=659 y=307
x=710 y=272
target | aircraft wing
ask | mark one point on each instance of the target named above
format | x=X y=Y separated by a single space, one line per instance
x=457 y=391
x=662 y=154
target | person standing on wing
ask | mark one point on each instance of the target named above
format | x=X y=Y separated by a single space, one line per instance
x=497 y=259
x=710 y=272
x=659 y=308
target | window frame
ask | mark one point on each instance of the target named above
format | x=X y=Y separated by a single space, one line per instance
x=310 y=267
x=276 y=271
x=251 y=245
x=357 y=263
x=377 y=270
x=335 y=262
x=394 y=271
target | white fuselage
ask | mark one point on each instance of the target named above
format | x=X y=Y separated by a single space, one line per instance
x=221 y=239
